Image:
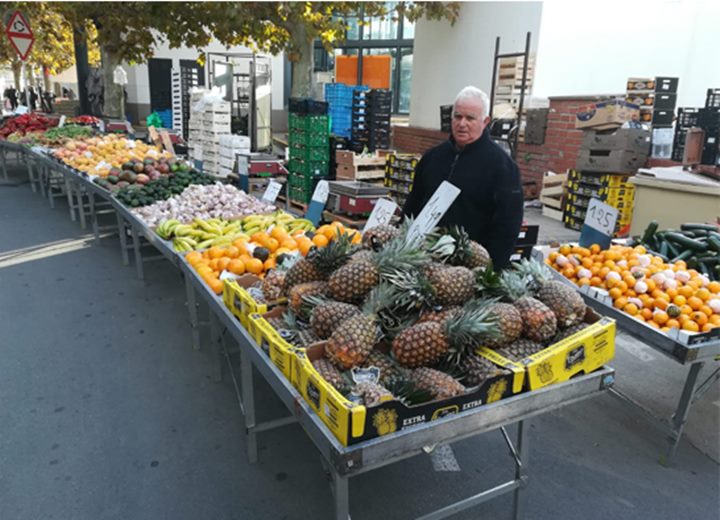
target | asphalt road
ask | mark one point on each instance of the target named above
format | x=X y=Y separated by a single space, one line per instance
x=107 y=413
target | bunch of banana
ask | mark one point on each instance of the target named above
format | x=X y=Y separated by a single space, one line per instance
x=166 y=228
x=184 y=244
x=201 y=234
x=254 y=223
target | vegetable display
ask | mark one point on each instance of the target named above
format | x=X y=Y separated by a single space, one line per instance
x=161 y=189
x=26 y=123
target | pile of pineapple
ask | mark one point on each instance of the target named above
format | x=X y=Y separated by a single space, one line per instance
x=416 y=311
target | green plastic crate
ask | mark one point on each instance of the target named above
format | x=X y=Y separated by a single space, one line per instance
x=315 y=124
x=310 y=153
x=297 y=138
x=308 y=168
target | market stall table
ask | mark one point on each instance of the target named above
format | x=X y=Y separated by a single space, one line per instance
x=344 y=462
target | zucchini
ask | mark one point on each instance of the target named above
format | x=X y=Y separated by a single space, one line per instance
x=655 y=253
x=713 y=243
x=673 y=249
x=685 y=242
x=691 y=226
x=650 y=230
x=664 y=249
x=682 y=256
x=704 y=269
x=709 y=260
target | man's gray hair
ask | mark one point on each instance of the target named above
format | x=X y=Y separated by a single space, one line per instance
x=474 y=93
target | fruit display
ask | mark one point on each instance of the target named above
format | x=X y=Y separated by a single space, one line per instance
x=186 y=195
x=697 y=244
x=18 y=126
x=274 y=253
x=201 y=234
x=661 y=294
x=84 y=120
x=105 y=155
x=54 y=137
x=417 y=313
x=150 y=180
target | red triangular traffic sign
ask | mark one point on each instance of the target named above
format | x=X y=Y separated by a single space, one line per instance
x=20 y=34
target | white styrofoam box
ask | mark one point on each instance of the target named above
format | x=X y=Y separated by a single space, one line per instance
x=235 y=141
x=217 y=128
x=222 y=107
x=212 y=117
x=212 y=137
x=226 y=162
x=232 y=152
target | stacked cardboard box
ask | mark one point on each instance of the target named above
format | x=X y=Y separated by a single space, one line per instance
x=656 y=98
x=206 y=128
x=229 y=147
x=399 y=175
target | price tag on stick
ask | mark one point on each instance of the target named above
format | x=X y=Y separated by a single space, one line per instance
x=317 y=203
x=381 y=214
x=61 y=123
x=433 y=211
x=272 y=191
x=243 y=172
x=599 y=225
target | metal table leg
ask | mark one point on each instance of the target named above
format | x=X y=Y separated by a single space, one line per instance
x=138 y=253
x=341 y=491
x=50 y=195
x=41 y=178
x=123 y=239
x=521 y=471
x=193 y=311
x=3 y=154
x=248 y=399
x=215 y=338
x=31 y=175
x=94 y=217
x=71 y=203
x=679 y=418
x=81 y=206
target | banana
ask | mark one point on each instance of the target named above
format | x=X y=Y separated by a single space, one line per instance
x=205 y=244
x=221 y=241
x=182 y=230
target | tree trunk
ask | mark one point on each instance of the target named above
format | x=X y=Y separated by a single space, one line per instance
x=302 y=64
x=113 y=94
x=82 y=68
x=17 y=69
x=46 y=79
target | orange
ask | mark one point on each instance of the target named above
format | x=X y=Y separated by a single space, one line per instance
x=695 y=303
x=679 y=300
x=232 y=252
x=259 y=237
x=215 y=252
x=203 y=270
x=595 y=281
x=290 y=244
x=565 y=250
x=651 y=286
x=587 y=262
x=622 y=286
x=714 y=319
x=281 y=251
x=244 y=258
x=236 y=266
x=279 y=233
x=254 y=266
x=193 y=257
x=329 y=233
x=609 y=264
x=602 y=273
x=660 y=303
x=661 y=317
x=703 y=293
x=639 y=317
x=672 y=293
x=241 y=244
x=569 y=272
x=630 y=293
x=270 y=263
x=691 y=326
x=321 y=240
x=553 y=256
x=214 y=264
x=620 y=302
x=646 y=313
x=652 y=324
x=216 y=286
x=631 y=309
x=583 y=281
x=682 y=319
x=708 y=327
x=686 y=291
x=673 y=324
x=272 y=244
x=714 y=287
x=223 y=263
x=595 y=249
x=209 y=277
x=699 y=317
x=615 y=293
x=686 y=309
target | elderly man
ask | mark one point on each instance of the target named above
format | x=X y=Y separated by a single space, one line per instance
x=490 y=204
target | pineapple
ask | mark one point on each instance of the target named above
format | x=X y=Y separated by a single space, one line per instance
x=440 y=315
x=352 y=282
x=273 y=284
x=539 y=321
x=296 y=334
x=478 y=369
x=388 y=369
x=465 y=251
x=510 y=324
x=353 y=339
x=428 y=342
x=362 y=254
x=328 y=314
x=563 y=300
x=298 y=293
x=376 y=237
x=331 y=374
x=372 y=394
x=452 y=285
x=520 y=349
x=439 y=384
x=319 y=263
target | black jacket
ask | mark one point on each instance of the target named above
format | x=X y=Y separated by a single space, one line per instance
x=490 y=205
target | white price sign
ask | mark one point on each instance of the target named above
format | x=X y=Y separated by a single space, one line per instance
x=321 y=192
x=272 y=191
x=601 y=217
x=381 y=214
x=242 y=163
x=433 y=211
x=62 y=122
x=101 y=126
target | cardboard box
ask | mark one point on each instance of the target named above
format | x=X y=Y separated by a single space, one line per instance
x=239 y=301
x=271 y=341
x=667 y=85
x=352 y=423
x=665 y=101
x=619 y=161
x=629 y=139
x=606 y=115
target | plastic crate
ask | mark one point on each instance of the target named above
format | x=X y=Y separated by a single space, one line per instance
x=311 y=153
x=308 y=168
x=712 y=99
x=298 y=138
x=307 y=106
x=709 y=118
x=687 y=117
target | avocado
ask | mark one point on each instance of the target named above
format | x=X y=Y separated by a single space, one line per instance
x=112 y=179
x=261 y=253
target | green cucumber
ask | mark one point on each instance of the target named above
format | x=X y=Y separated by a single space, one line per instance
x=691 y=226
x=655 y=253
x=664 y=249
x=682 y=240
x=674 y=250
x=682 y=256
x=713 y=243
x=650 y=230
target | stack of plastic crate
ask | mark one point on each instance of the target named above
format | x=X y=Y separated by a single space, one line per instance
x=339 y=98
x=309 y=143
x=399 y=175
x=371 y=119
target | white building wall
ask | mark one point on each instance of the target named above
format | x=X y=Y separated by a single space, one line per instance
x=588 y=48
x=447 y=58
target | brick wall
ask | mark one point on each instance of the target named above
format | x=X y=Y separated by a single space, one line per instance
x=413 y=139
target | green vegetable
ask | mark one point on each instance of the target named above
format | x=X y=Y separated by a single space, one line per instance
x=650 y=231
x=682 y=256
x=682 y=240
x=713 y=242
x=692 y=226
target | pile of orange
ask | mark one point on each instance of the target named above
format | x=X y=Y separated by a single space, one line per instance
x=662 y=295
x=241 y=257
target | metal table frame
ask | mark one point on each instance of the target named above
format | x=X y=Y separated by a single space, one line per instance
x=675 y=346
x=345 y=462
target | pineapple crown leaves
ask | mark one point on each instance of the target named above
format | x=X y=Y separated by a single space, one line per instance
x=415 y=291
x=332 y=256
x=441 y=247
x=474 y=323
x=406 y=391
x=514 y=285
x=488 y=282
x=536 y=272
x=400 y=254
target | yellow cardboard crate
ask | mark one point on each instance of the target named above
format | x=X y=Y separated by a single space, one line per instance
x=239 y=300
x=281 y=352
x=352 y=423
x=584 y=352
